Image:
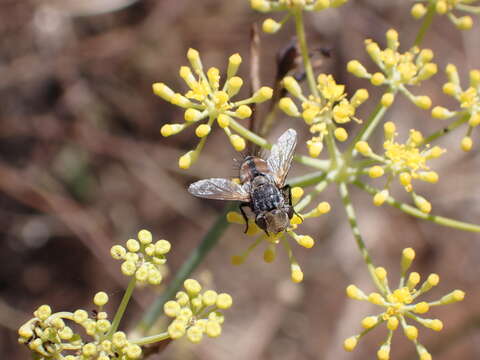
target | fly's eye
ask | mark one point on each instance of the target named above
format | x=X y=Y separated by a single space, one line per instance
x=261 y=222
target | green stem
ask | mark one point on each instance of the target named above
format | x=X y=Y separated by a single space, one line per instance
x=122 y=307
x=151 y=339
x=440 y=220
x=366 y=331
x=302 y=42
x=195 y=258
x=308 y=179
x=322 y=184
x=323 y=165
x=427 y=21
x=258 y=140
x=452 y=126
x=367 y=130
x=469 y=8
x=332 y=148
x=249 y=135
x=352 y=220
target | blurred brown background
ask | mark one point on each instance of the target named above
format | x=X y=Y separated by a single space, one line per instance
x=82 y=165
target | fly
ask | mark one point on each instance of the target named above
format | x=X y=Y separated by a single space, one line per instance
x=262 y=186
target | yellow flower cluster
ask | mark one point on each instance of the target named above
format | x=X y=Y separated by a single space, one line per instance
x=399 y=305
x=330 y=109
x=196 y=313
x=273 y=240
x=49 y=337
x=406 y=161
x=397 y=69
x=469 y=101
x=206 y=101
x=446 y=7
x=142 y=258
x=271 y=26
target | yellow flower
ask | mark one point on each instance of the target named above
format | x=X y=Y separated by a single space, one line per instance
x=272 y=240
x=51 y=335
x=196 y=313
x=447 y=7
x=400 y=305
x=208 y=100
x=292 y=5
x=142 y=258
x=397 y=69
x=468 y=99
x=331 y=108
x=406 y=161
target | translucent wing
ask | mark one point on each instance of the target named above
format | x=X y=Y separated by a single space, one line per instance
x=220 y=189
x=281 y=156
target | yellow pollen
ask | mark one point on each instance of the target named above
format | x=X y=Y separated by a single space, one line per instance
x=405 y=156
x=400 y=297
x=199 y=91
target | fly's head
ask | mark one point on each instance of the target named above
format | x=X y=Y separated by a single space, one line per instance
x=274 y=221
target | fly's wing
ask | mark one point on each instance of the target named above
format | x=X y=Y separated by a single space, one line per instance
x=281 y=156
x=219 y=189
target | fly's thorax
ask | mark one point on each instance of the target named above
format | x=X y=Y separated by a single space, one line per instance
x=252 y=167
x=259 y=180
x=264 y=195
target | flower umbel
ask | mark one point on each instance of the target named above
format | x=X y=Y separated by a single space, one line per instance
x=469 y=102
x=273 y=240
x=196 y=313
x=49 y=336
x=406 y=161
x=271 y=26
x=397 y=69
x=142 y=258
x=399 y=305
x=207 y=101
x=447 y=7
x=331 y=109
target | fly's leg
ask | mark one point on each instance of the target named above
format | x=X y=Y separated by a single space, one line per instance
x=245 y=217
x=287 y=193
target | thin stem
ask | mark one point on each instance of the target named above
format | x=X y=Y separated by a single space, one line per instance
x=249 y=135
x=366 y=331
x=195 y=258
x=323 y=165
x=151 y=339
x=332 y=149
x=352 y=220
x=366 y=131
x=452 y=126
x=308 y=179
x=322 y=184
x=440 y=220
x=302 y=42
x=469 y=8
x=122 y=307
x=427 y=21
x=258 y=140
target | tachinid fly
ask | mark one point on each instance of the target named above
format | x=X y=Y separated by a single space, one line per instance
x=262 y=186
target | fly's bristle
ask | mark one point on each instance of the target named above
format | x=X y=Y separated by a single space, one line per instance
x=240 y=159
